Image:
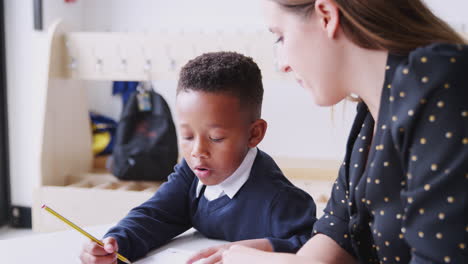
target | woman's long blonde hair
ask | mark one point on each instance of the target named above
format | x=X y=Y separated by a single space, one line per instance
x=398 y=26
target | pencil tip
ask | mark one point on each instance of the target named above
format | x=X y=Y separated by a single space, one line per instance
x=43 y=206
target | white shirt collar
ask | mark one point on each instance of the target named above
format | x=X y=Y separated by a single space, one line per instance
x=232 y=184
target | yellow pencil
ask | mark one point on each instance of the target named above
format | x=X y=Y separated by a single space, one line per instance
x=77 y=228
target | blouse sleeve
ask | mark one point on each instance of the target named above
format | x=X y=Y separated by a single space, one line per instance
x=335 y=220
x=430 y=131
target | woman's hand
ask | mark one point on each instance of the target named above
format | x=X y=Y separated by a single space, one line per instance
x=213 y=255
x=240 y=254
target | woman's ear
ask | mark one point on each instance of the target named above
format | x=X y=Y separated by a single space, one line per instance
x=329 y=16
x=257 y=132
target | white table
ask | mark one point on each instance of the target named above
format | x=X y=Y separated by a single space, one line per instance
x=64 y=247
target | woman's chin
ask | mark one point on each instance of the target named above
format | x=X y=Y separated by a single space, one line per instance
x=320 y=101
x=325 y=101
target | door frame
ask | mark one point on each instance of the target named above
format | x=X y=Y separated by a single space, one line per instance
x=5 y=199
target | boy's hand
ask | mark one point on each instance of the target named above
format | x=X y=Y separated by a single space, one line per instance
x=214 y=255
x=92 y=253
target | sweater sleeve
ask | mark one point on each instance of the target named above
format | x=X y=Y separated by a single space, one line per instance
x=292 y=216
x=431 y=133
x=156 y=221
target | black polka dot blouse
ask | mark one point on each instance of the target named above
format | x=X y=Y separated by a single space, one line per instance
x=401 y=195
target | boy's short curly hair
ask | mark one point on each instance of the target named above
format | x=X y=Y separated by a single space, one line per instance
x=225 y=72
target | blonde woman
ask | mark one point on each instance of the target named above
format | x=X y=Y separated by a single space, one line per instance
x=401 y=194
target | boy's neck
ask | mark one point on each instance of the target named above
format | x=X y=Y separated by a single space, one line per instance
x=231 y=185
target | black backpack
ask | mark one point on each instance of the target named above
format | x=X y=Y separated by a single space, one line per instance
x=146 y=141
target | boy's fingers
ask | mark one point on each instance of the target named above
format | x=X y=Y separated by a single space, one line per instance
x=87 y=258
x=110 y=245
x=205 y=253
x=93 y=248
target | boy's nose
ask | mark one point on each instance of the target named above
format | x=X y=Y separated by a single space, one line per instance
x=199 y=150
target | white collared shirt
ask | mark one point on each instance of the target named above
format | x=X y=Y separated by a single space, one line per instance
x=232 y=184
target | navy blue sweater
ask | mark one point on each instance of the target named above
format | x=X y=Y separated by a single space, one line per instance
x=267 y=206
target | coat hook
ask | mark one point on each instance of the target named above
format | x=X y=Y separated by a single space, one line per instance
x=73 y=64
x=148 y=65
x=123 y=64
x=99 y=64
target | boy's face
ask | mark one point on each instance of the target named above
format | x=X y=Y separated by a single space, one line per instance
x=215 y=134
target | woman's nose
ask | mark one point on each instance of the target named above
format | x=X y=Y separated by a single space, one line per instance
x=282 y=63
x=285 y=68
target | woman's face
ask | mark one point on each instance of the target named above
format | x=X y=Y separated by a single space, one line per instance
x=305 y=48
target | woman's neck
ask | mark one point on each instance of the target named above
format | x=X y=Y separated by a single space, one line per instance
x=367 y=76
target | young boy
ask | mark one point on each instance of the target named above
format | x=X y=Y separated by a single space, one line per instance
x=224 y=187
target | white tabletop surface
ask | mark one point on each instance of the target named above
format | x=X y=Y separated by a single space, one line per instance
x=64 y=247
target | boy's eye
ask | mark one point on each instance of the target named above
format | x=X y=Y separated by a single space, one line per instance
x=216 y=139
x=187 y=138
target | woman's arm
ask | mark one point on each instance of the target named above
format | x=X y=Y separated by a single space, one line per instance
x=319 y=249
x=323 y=249
x=239 y=254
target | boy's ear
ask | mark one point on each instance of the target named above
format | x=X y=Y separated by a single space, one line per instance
x=257 y=132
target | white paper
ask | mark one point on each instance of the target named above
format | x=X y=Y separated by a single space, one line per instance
x=169 y=256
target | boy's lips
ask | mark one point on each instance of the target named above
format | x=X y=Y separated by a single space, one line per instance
x=202 y=171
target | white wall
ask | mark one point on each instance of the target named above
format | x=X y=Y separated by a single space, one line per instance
x=296 y=127
x=26 y=72
x=455 y=12
x=147 y=15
